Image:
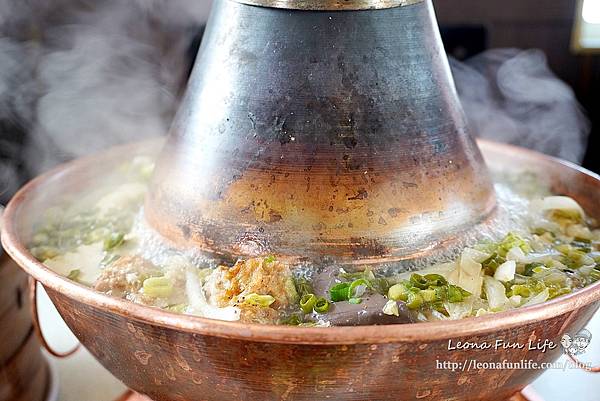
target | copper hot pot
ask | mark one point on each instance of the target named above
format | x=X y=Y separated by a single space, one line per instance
x=328 y=130
x=175 y=357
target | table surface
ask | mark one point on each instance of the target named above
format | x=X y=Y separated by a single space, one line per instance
x=82 y=374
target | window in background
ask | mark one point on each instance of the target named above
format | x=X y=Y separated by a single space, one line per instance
x=586 y=33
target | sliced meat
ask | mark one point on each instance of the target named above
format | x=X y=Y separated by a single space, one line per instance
x=368 y=312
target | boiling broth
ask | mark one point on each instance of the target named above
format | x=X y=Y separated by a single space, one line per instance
x=537 y=247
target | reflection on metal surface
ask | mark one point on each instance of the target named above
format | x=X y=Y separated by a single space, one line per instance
x=199 y=358
x=320 y=136
x=330 y=5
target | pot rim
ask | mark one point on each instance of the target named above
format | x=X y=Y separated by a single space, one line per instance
x=420 y=332
x=330 y=5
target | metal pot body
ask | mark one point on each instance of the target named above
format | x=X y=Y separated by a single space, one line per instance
x=168 y=364
x=176 y=357
x=321 y=135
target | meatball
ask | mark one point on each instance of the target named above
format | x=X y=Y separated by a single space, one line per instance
x=124 y=278
x=229 y=285
x=258 y=314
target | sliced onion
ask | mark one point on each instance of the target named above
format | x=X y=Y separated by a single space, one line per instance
x=459 y=310
x=515 y=300
x=468 y=264
x=496 y=294
x=539 y=298
x=474 y=254
x=506 y=271
x=558 y=203
x=391 y=308
x=471 y=283
x=517 y=254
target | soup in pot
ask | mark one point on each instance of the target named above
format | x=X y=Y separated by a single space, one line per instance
x=540 y=247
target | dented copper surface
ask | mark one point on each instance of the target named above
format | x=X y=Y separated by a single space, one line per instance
x=176 y=357
x=325 y=136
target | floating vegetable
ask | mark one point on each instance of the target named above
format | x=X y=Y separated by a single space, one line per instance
x=322 y=305
x=74 y=274
x=158 y=287
x=115 y=240
x=259 y=300
x=307 y=303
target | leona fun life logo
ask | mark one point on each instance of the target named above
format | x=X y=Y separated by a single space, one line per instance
x=577 y=344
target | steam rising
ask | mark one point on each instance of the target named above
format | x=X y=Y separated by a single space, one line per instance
x=512 y=96
x=11 y=107
x=79 y=76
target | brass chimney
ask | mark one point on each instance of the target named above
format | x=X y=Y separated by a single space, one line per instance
x=323 y=131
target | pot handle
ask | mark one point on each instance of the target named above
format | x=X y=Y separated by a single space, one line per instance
x=36 y=323
x=583 y=366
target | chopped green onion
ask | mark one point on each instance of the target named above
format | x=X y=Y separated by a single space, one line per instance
x=115 y=240
x=178 y=308
x=510 y=241
x=582 y=244
x=74 y=274
x=270 y=259
x=355 y=301
x=43 y=253
x=307 y=302
x=492 y=263
x=263 y=301
x=521 y=289
x=457 y=294
x=441 y=293
x=292 y=320
x=530 y=268
x=414 y=300
x=109 y=259
x=428 y=295
x=556 y=292
x=340 y=292
x=576 y=258
x=398 y=292
x=435 y=280
x=379 y=285
x=357 y=288
x=303 y=286
x=322 y=305
x=347 y=291
x=419 y=281
x=158 y=287
x=366 y=274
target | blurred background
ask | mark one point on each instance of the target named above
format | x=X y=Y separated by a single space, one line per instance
x=77 y=76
